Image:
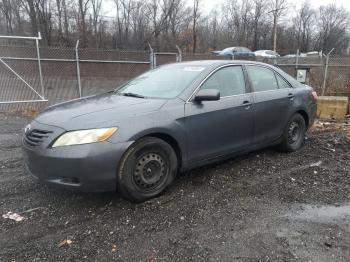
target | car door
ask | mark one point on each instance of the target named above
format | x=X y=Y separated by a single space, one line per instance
x=240 y=52
x=246 y=52
x=218 y=127
x=272 y=103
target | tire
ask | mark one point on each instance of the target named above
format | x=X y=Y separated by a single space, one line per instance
x=294 y=134
x=147 y=168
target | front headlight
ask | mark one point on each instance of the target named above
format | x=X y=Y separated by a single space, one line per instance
x=84 y=136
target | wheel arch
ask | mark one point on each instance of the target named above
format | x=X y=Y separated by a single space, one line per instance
x=171 y=141
x=305 y=115
x=176 y=142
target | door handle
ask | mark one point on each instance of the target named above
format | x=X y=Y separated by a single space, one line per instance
x=247 y=104
x=290 y=96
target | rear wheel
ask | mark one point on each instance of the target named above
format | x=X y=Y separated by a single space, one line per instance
x=146 y=169
x=294 y=134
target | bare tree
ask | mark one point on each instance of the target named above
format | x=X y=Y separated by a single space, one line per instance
x=259 y=6
x=333 y=23
x=302 y=24
x=11 y=13
x=29 y=5
x=214 y=30
x=159 y=13
x=165 y=23
x=66 y=24
x=177 y=18
x=139 y=24
x=278 y=7
x=119 y=24
x=232 y=16
x=17 y=9
x=83 y=6
x=6 y=9
x=59 y=22
x=44 y=19
x=195 y=16
x=127 y=8
x=96 y=9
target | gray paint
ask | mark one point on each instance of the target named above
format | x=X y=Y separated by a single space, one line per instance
x=204 y=132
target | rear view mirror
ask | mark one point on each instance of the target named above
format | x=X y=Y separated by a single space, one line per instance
x=207 y=95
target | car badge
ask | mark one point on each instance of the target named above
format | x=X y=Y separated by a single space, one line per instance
x=27 y=129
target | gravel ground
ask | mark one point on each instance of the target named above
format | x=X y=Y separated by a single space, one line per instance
x=264 y=206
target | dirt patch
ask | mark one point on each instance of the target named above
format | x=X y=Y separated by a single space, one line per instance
x=262 y=206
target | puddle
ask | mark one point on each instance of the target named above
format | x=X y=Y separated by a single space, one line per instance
x=340 y=213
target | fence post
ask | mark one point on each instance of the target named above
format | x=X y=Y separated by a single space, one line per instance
x=326 y=72
x=151 y=56
x=39 y=65
x=78 y=67
x=179 y=54
x=154 y=60
x=297 y=59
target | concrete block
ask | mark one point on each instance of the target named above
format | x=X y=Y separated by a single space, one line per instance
x=332 y=107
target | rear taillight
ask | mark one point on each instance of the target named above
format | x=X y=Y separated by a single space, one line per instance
x=314 y=96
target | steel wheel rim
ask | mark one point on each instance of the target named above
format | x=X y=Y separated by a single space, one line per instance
x=294 y=132
x=150 y=171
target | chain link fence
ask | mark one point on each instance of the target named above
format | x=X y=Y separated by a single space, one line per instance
x=327 y=76
x=69 y=73
x=20 y=71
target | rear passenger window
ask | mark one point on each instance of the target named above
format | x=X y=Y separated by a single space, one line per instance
x=228 y=80
x=262 y=79
x=281 y=82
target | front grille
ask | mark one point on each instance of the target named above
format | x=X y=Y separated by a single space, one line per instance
x=36 y=136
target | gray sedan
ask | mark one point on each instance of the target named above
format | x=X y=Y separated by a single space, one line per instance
x=179 y=116
x=237 y=51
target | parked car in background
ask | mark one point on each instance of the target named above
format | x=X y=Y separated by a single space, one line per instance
x=314 y=54
x=266 y=53
x=179 y=116
x=308 y=54
x=294 y=55
x=238 y=51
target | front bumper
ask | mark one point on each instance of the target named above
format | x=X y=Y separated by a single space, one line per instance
x=89 y=167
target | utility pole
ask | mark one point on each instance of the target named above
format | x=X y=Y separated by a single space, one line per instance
x=274 y=30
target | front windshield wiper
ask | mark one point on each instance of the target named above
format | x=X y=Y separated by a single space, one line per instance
x=132 y=95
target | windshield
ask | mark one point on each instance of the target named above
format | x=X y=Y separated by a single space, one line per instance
x=164 y=82
x=228 y=49
x=244 y=49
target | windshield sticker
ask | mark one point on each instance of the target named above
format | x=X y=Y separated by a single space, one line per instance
x=193 y=68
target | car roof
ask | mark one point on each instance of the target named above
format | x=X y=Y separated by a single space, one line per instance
x=233 y=47
x=214 y=63
x=265 y=50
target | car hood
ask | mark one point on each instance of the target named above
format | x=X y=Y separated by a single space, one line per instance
x=97 y=111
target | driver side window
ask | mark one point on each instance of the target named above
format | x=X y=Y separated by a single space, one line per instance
x=228 y=80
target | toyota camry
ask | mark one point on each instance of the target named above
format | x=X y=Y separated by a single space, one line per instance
x=136 y=138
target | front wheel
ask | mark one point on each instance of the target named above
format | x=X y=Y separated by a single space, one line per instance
x=294 y=134
x=146 y=169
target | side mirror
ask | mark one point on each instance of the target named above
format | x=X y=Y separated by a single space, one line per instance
x=207 y=95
